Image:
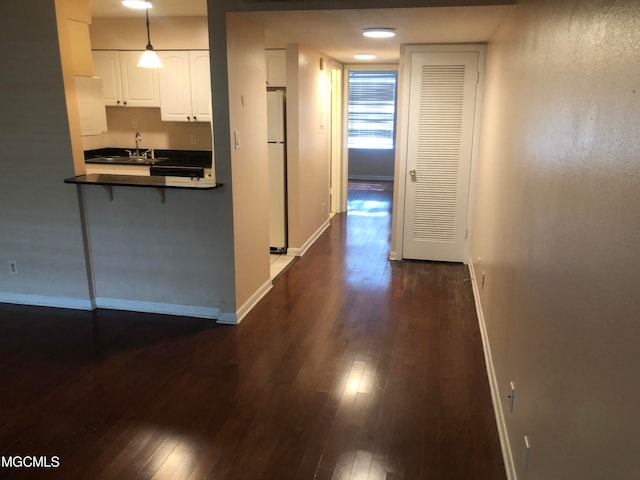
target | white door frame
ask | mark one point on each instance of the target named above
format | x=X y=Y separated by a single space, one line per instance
x=344 y=167
x=337 y=141
x=402 y=138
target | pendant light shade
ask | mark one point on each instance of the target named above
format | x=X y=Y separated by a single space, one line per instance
x=149 y=58
x=137 y=4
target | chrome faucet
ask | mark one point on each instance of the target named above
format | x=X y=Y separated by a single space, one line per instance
x=138 y=139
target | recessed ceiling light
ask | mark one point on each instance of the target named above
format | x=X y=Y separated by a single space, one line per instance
x=364 y=56
x=139 y=4
x=379 y=32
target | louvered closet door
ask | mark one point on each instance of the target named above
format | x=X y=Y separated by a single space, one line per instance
x=441 y=117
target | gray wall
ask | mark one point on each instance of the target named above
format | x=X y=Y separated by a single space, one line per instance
x=144 y=252
x=557 y=230
x=371 y=164
x=39 y=215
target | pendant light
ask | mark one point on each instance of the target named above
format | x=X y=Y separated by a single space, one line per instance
x=149 y=58
x=137 y=4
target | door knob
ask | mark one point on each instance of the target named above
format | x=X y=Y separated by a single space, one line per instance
x=412 y=172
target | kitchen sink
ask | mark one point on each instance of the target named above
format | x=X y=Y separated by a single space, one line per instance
x=134 y=159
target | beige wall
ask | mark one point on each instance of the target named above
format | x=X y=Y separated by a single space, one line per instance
x=308 y=143
x=167 y=33
x=155 y=133
x=557 y=228
x=249 y=167
x=371 y=163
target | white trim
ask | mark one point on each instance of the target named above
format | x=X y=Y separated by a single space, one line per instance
x=299 y=252
x=162 y=308
x=507 y=455
x=46 y=301
x=393 y=256
x=236 y=318
x=372 y=177
x=402 y=128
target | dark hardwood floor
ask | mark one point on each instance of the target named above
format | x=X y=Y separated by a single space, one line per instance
x=352 y=367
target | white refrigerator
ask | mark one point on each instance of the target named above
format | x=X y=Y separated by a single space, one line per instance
x=277 y=171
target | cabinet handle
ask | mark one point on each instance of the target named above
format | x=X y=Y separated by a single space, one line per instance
x=188 y=118
x=118 y=102
x=195 y=118
x=124 y=102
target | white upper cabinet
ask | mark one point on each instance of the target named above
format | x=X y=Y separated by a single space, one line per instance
x=200 y=85
x=276 y=65
x=126 y=84
x=185 y=86
x=93 y=116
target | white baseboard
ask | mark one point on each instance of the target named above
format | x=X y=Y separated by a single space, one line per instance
x=236 y=318
x=507 y=455
x=299 y=252
x=393 y=256
x=162 y=308
x=46 y=301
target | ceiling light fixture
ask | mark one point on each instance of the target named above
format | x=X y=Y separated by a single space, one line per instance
x=379 y=32
x=149 y=58
x=138 y=4
x=364 y=56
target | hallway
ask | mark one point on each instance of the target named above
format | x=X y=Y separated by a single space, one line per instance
x=352 y=367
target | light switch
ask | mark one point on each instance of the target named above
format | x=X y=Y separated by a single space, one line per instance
x=236 y=139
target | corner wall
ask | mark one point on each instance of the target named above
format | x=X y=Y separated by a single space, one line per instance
x=308 y=145
x=249 y=165
x=556 y=230
x=40 y=218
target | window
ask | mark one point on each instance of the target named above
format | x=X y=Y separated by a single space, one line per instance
x=372 y=108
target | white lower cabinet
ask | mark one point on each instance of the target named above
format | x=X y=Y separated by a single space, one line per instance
x=139 y=170
x=185 y=86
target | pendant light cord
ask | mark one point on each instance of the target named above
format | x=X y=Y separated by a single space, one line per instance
x=149 y=46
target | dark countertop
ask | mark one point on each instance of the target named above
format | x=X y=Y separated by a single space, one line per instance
x=173 y=158
x=143 y=181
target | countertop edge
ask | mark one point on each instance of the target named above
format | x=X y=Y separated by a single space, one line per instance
x=135 y=181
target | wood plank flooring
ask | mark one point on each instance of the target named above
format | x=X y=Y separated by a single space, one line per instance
x=352 y=367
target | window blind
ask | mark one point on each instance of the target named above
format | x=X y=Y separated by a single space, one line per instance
x=372 y=108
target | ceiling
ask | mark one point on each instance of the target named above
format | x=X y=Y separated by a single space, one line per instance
x=338 y=33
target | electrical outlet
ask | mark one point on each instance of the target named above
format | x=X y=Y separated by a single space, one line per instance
x=13 y=267
x=512 y=395
x=193 y=139
x=236 y=139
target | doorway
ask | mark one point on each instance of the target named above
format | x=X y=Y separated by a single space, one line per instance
x=441 y=108
x=371 y=99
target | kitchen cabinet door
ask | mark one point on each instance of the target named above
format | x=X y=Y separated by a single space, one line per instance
x=175 y=89
x=276 y=65
x=140 y=170
x=139 y=85
x=106 y=65
x=185 y=86
x=200 y=72
x=125 y=84
x=93 y=115
x=99 y=168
